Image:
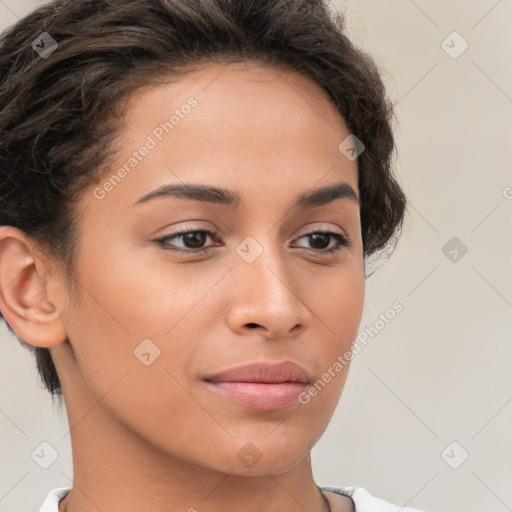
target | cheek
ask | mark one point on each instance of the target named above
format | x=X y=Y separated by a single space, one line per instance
x=338 y=300
x=345 y=305
x=338 y=308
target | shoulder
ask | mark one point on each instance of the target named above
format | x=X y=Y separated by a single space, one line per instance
x=51 y=503
x=362 y=500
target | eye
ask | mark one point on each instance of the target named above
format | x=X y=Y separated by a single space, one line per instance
x=322 y=238
x=194 y=239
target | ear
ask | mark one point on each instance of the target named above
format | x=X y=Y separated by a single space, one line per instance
x=24 y=283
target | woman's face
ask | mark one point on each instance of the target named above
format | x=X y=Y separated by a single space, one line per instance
x=151 y=323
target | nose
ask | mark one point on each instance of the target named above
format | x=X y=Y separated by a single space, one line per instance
x=267 y=297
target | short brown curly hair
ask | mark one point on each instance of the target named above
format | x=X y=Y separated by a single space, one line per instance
x=59 y=115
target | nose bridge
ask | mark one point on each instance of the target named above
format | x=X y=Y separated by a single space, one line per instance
x=265 y=266
x=265 y=293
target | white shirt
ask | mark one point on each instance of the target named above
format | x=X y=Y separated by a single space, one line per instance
x=363 y=500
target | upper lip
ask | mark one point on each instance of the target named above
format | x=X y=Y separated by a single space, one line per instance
x=263 y=372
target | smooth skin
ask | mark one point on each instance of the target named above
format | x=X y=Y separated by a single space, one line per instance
x=155 y=436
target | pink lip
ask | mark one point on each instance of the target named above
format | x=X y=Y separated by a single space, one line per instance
x=263 y=372
x=261 y=386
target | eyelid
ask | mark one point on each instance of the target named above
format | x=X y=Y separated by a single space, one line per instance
x=323 y=228
x=342 y=239
x=187 y=228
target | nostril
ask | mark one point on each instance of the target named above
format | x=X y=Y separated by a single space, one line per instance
x=252 y=324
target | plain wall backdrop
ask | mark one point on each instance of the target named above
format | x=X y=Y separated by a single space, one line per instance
x=425 y=416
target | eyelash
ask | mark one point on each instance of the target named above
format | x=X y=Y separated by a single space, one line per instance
x=342 y=241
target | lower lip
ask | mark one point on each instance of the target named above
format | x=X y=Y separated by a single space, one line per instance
x=259 y=395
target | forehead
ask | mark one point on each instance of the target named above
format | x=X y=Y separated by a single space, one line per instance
x=262 y=100
x=246 y=127
x=245 y=80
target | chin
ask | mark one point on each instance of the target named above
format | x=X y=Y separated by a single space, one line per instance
x=263 y=457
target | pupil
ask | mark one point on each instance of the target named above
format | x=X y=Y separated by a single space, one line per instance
x=323 y=236
x=194 y=238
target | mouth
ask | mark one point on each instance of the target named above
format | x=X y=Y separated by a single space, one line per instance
x=261 y=386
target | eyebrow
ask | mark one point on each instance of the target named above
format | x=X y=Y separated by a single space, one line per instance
x=221 y=196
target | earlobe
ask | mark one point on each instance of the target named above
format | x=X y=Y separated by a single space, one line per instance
x=23 y=291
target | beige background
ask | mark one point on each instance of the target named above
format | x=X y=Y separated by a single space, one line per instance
x=440 y=371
